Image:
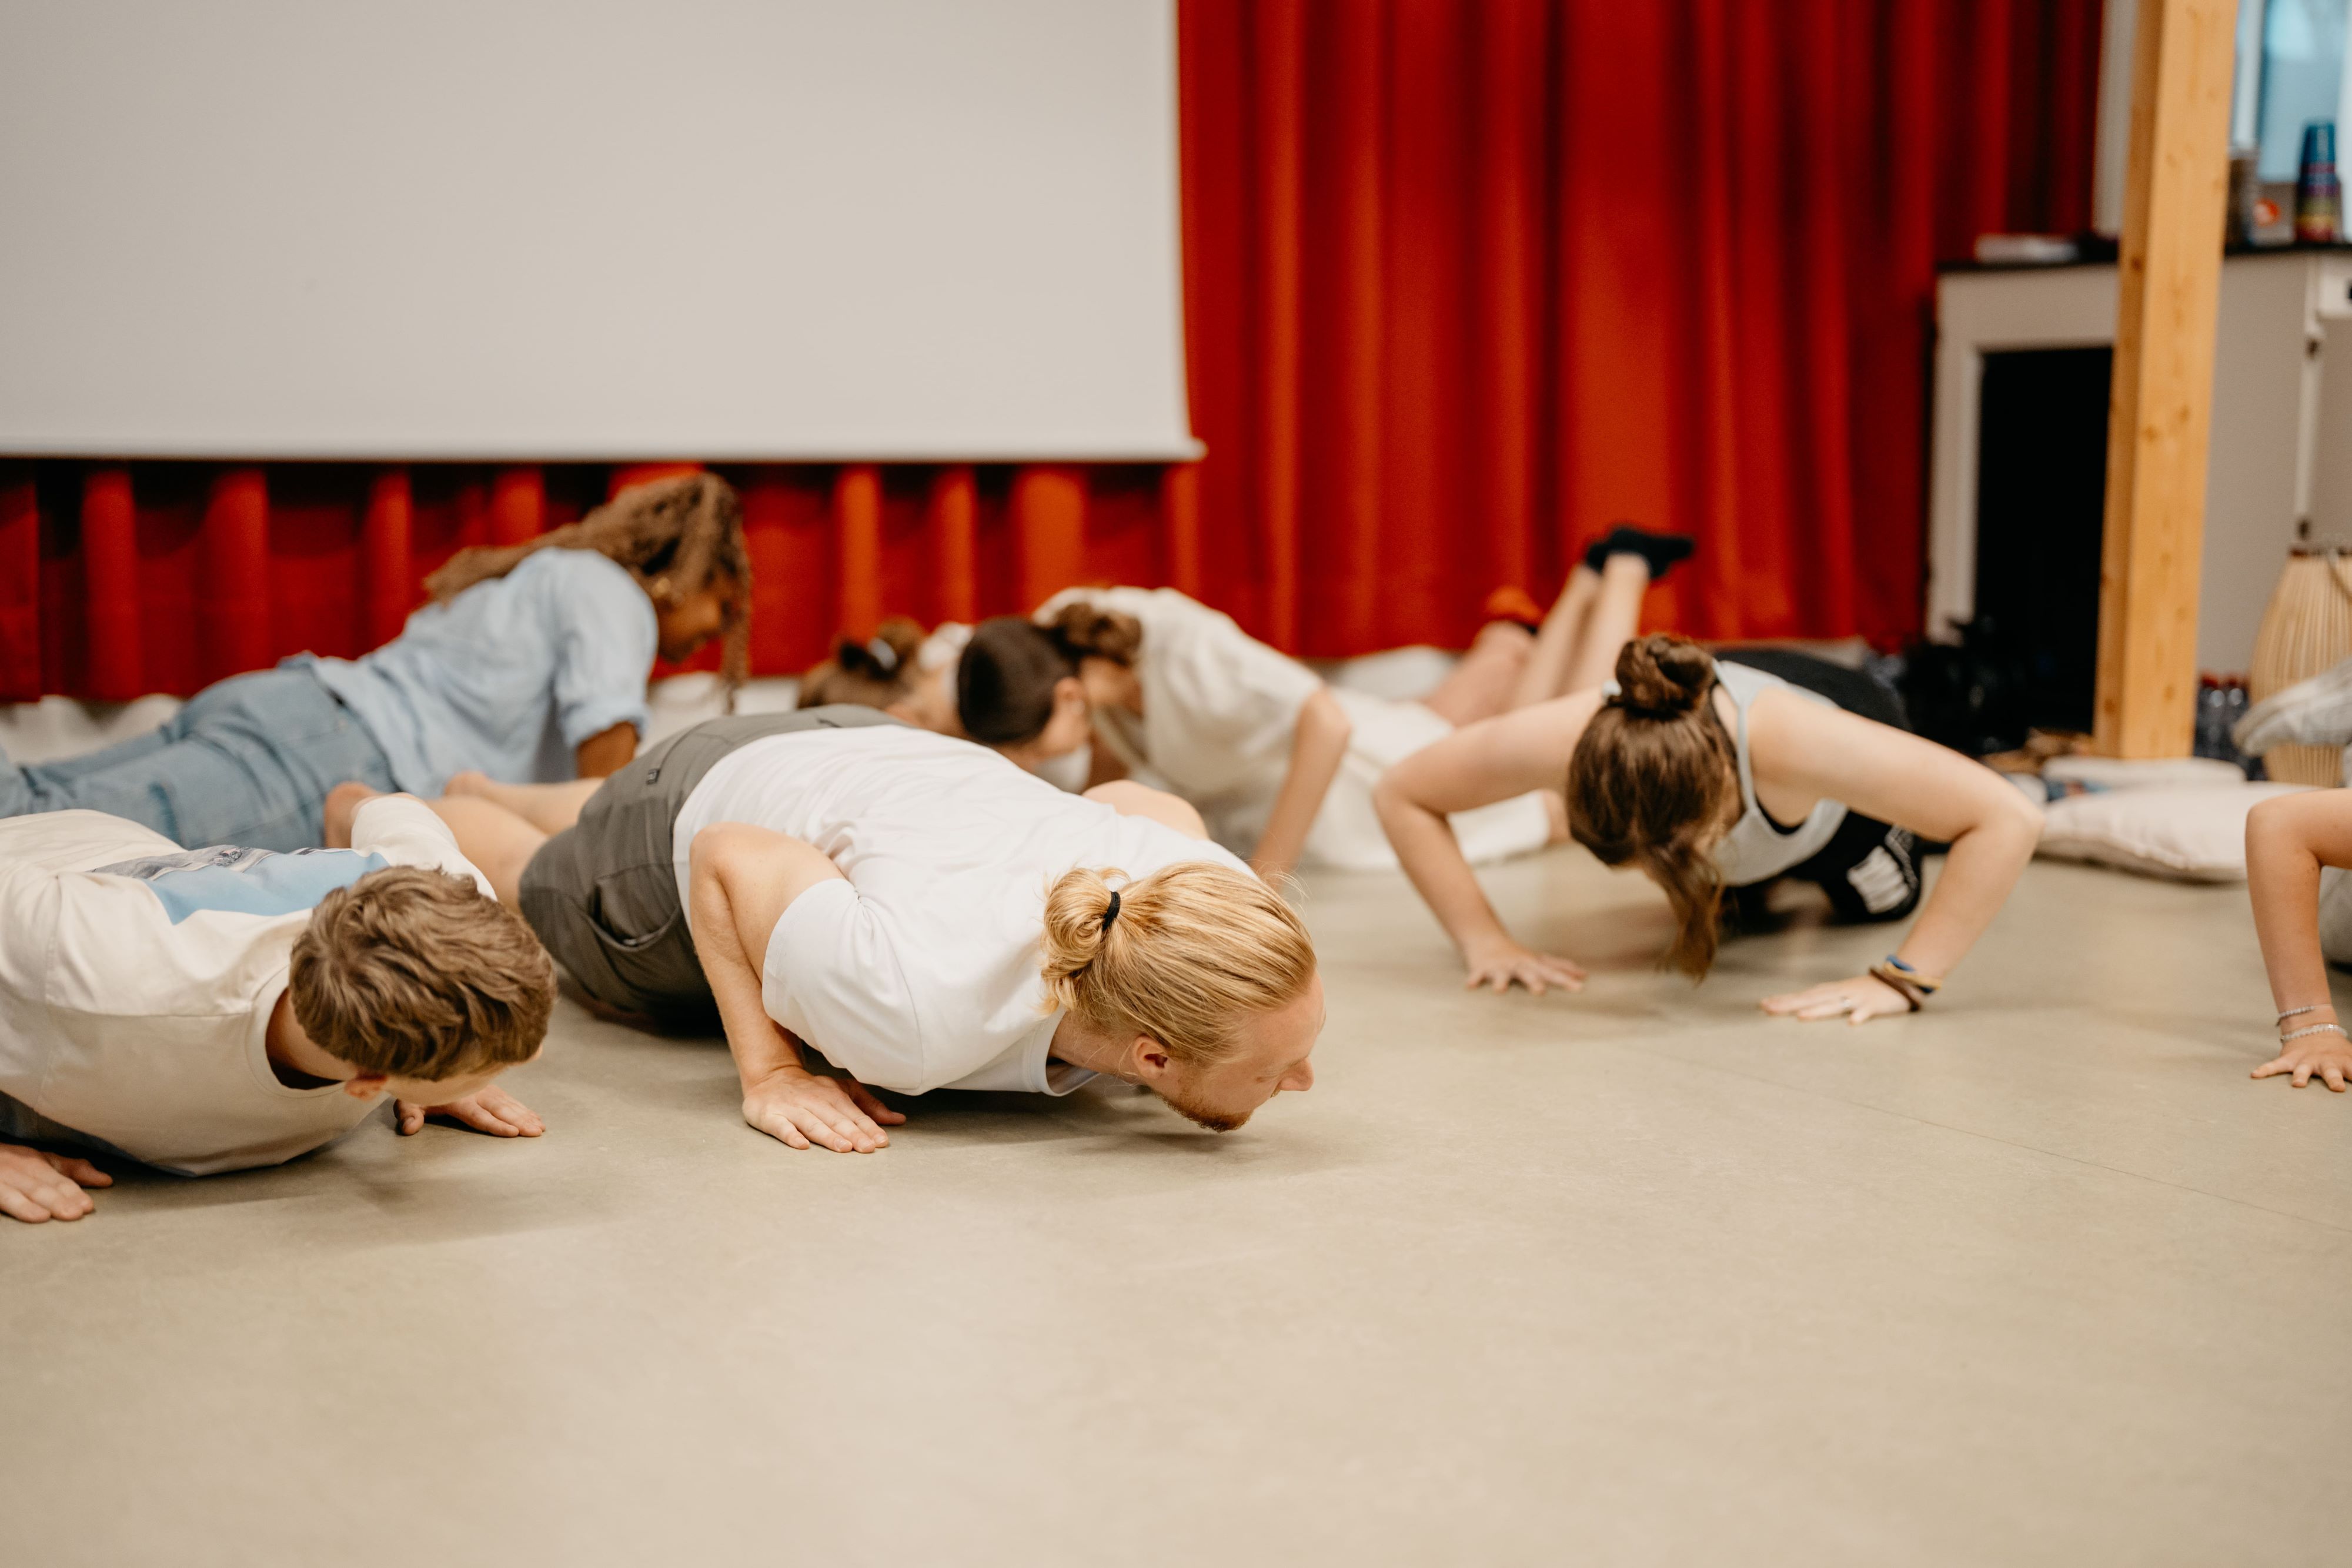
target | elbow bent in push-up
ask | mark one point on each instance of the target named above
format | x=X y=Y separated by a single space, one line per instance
x=2289 y=841
x=743 y=879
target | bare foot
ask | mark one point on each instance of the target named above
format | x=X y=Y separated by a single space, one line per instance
x=344 y=802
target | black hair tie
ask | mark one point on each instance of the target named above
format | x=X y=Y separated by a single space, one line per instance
x=1111 y=914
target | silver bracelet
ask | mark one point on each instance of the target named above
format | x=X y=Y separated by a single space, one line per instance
x=2297 y=1012
x=2316 y=1029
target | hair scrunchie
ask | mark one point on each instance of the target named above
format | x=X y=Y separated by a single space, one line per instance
x=1111 y=913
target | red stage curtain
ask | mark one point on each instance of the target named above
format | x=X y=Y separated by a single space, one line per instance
x=118 y=579
x=1468 y=280
x=1465 y=280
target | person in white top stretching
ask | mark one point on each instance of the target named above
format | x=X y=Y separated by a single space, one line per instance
x=1712 y=773
x=1172 y=693
x=1281 y=766
x=917 y=909
x=207 y=1011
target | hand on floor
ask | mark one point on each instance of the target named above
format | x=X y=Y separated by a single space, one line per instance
x=34 y=1186
x=1858 y=1000
x=2327 y=1057
x=490 y=1110
x=800 y=1108
x=1505 y=964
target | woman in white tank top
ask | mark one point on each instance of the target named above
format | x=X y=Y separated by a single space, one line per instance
x=1713 y=775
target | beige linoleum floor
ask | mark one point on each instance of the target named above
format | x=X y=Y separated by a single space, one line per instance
x=1640 y=1277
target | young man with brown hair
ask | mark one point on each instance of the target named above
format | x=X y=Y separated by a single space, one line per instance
x=207 y=1011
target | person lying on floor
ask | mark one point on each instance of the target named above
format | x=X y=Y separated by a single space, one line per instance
x=2297 y=849
x=529 y=663
x=1713 y=773
x=917 y=909
x=207 y=1011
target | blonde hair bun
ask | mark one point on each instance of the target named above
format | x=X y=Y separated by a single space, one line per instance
x=1197 y=947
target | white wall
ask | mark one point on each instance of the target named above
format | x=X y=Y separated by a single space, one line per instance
x=493 y=229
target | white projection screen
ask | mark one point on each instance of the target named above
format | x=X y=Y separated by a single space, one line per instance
x=719 y=229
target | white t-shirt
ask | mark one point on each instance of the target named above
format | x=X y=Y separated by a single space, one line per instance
x=921 y=970
x=137 y=979
x=1220 y=712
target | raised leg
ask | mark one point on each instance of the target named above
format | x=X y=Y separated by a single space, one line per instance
x=1616 y=616
x=550 y=807
x=1545 y=674
x=1480 y=686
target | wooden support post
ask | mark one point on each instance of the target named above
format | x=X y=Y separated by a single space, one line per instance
x=2161 y=407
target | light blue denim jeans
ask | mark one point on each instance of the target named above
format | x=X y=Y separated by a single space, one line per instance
x=248 y=762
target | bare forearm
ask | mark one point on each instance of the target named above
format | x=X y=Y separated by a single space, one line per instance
x=606 y=751
x=1425 y=843
x=1316 y=756
x=1980 y=872
x=759 y=1046
x=2282 y=879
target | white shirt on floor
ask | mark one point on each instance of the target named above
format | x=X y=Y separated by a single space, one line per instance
x=137 y=979
x=1220 y=712
x=921 y=970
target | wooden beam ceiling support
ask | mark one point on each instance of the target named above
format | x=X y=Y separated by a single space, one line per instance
x=2160 y=406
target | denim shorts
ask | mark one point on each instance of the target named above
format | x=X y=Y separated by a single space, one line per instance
x=246 y=761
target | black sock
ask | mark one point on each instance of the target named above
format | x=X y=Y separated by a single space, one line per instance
x=1659 y=551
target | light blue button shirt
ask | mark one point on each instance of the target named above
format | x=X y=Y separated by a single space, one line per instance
x=509 y=678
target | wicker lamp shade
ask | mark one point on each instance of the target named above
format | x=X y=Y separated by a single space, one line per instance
x=2306 y=629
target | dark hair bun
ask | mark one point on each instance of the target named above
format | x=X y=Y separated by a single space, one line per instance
x=1005 y=680
x=1082 y=630
x=1663 y=676
x=884 y=655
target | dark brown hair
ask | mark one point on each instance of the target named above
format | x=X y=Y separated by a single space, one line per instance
x=676 y=535
x=872 y=674
x=1006 y=681
x=414 y=973
x=1655 y=780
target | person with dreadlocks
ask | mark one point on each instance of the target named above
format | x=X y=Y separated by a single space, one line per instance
x=529 y=666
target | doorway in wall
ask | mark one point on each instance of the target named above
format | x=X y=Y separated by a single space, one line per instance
x=2042 y=487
